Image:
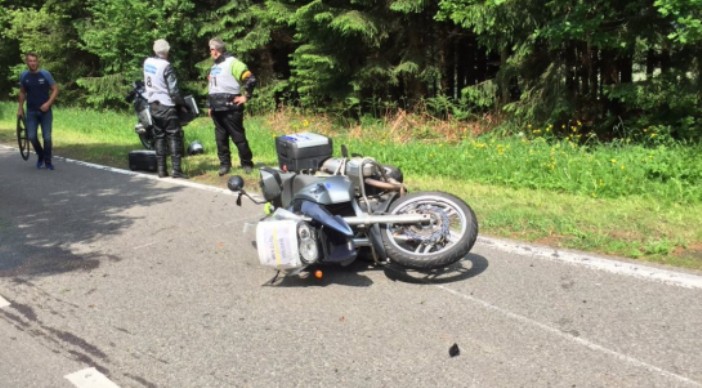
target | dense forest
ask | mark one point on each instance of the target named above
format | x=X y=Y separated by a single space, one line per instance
x=597 y=63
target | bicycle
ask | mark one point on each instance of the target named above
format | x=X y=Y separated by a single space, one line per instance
x=22 y=138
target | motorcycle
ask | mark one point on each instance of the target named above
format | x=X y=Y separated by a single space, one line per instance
x=144 y=128
x=335 y=211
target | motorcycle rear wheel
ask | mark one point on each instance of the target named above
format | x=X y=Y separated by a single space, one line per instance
x=446 y=239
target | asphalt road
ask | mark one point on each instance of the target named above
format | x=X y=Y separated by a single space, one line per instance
x=114 y=279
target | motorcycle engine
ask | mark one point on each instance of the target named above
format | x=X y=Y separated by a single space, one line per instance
x=358 y=168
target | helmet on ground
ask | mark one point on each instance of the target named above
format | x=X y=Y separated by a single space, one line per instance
x=195 y=148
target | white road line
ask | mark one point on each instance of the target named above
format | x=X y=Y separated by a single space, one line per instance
x=181 y=182
x=680 y=279
x=3 y=302
x=90 y=378
x=578 y=340
x=144 y=245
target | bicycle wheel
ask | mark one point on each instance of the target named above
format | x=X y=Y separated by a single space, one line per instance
x=22 y=138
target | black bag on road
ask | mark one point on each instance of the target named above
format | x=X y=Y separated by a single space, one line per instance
x=142 y=160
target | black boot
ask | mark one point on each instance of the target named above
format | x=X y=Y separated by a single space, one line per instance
x=161 y=168
x=177 y=172
x=223 y=170
x=176 y=155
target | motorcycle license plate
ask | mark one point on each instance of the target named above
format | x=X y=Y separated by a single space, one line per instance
x=276 y=241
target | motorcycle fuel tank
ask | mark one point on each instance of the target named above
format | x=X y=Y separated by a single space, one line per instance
x=335 y=189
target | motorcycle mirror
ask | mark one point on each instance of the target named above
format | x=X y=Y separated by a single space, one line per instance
x=344 y=151
x=235 y=183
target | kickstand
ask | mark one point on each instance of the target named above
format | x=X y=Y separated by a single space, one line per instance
x=274 y=277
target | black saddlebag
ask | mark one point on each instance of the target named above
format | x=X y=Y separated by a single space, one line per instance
x=142 y=160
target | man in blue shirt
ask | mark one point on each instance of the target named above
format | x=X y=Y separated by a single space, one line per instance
x=39 y=90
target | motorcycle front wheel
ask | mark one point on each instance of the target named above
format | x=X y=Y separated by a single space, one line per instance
x=447 y=238
x=147 y=139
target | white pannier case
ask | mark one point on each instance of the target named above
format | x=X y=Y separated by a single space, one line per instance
x=277 y=244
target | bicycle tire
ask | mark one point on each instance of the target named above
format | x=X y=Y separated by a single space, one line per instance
x=22 y=138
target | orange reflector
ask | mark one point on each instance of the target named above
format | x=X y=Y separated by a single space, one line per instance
x=318 y=274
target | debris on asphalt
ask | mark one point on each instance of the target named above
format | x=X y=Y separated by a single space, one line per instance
x=454 y=350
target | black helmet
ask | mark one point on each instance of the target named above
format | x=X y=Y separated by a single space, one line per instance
x=195 y=148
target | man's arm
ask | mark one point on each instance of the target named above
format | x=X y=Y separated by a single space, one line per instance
x=249 y=83
x=172 y=83
x=52 y=97
x=246 y=79
x=22 y=97
x=54 y=92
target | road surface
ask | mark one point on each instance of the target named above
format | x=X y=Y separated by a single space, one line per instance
x=115 y=279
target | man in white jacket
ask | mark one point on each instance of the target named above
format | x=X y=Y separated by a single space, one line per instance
x=164 y=99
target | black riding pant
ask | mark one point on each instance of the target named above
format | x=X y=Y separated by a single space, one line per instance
x=167 y=131
x=230 y=124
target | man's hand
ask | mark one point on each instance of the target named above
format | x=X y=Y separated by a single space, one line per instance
x=238 y=100
x=45 y=107
x=20 y=112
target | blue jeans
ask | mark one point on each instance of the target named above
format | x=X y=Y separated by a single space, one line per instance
x=33 y=119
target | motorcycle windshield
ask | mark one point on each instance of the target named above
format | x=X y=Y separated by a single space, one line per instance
x=324 y=217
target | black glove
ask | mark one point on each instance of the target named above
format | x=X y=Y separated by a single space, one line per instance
x=183 y=109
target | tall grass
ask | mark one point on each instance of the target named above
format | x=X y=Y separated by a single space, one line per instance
x=668 y=173
x=664 y=171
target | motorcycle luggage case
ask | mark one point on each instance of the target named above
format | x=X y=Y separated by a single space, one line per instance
x=302 y=151
x=142 y=160
x=191 y=113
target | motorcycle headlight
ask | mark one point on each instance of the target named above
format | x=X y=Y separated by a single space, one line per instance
x=307 y=237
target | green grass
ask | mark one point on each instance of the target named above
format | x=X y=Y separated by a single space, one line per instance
x=663 y=173
x=620 y=199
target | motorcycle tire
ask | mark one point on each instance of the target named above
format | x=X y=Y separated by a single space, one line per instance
x=147 y=140
x=445 y=240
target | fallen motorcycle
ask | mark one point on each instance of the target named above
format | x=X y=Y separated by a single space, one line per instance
x=144 y=126
x=323 y=210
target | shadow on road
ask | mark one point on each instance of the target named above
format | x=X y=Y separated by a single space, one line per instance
x=47 y=218
x=352 y=275
x=337 y=275
x=471 y=265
